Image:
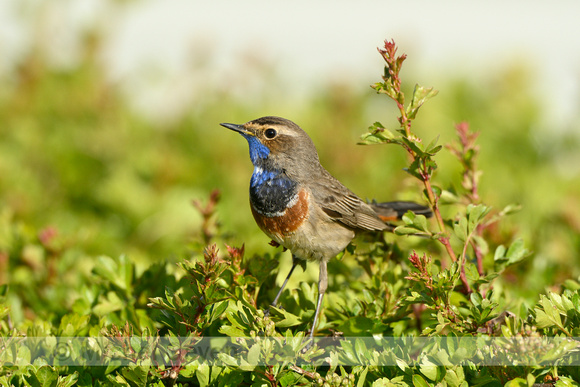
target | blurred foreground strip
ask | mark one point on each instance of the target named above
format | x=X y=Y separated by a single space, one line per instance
x=260 y=351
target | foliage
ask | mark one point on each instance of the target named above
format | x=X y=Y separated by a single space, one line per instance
x=98 y=239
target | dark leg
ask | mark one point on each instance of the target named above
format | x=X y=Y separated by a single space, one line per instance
x=322 y=285
x=294 y=264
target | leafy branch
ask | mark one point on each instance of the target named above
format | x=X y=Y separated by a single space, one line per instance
x=431 y=286
x=422 y=163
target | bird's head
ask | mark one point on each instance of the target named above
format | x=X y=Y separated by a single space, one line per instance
x=277 y=143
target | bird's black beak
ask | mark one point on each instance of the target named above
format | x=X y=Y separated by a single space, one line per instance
x=237 y=128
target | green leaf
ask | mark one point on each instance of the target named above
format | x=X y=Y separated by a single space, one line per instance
x=430 y=370
x=549 y=315
x=531 y=379
x=108 y=305
x=118 y=272
x=448 y=197
x=563 y=303
x=559 y=351
x=289 y=379
x=284 y=319
x=408 y=217
x=420 y=96
x=404 y=230
x=69 y=380
x=455 y=377
x=117 y=381
x=414 y=169
x=471 y=273
x=499 y=253
x=543 y=320
x=137 y=375
x=73 y=325
x=418 y=381
x=437 y=191
x=517 y=382
x=46 y=376
x=460 y=229
x=254 y=355
x=517 y=251
x=231 y=331
x=571 y=285
x=203 y=374
x=360 y=347
x=356 y=326
x=415 y=144
x=376 y=127
x=377 y=134
x=385 y=88
x=217 y=310
x=433 y=148
x=511 y=209
x=362 y=377
x=261 y=265
x=348 y=351
x=475 y=214
x=420 y=222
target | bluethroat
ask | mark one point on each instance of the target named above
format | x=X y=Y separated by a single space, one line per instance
x=300 y=205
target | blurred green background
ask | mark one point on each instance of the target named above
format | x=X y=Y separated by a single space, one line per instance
x=84 y=170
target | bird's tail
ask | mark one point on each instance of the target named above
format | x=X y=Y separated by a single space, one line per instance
x=390 y=211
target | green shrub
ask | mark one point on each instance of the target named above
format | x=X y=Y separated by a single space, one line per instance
x=84 y=176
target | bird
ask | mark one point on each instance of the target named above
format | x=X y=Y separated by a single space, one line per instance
x=297 y=203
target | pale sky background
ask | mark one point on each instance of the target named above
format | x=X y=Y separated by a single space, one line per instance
x=152 y=47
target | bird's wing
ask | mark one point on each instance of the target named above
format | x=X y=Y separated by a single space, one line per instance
x=343 y=206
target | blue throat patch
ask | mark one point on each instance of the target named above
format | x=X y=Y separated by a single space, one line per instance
x=271 y=191
x=257 y=149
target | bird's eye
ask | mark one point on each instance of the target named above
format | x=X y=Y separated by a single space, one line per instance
x=270 y=133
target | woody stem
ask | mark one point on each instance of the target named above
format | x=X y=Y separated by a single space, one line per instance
x=434 y=205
